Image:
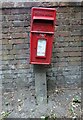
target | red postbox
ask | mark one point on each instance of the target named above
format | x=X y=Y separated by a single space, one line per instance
x=41 y=35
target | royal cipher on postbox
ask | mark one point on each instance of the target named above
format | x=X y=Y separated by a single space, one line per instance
x=42 y=35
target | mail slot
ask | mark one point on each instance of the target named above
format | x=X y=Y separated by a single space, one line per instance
x=41 y=35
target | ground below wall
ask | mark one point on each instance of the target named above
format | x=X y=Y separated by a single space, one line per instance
x=62 y=103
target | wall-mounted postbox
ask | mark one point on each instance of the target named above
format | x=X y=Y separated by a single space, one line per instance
x=41 y=35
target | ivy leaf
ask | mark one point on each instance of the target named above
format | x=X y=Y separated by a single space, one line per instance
x=76 y=99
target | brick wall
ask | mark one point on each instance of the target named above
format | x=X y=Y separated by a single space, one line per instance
x=65 y=69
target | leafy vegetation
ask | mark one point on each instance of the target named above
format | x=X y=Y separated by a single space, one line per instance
x=4 y=115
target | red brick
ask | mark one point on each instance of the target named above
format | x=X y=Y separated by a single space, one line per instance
x=62 y=34
x=77 y=54
x=5 y=42
x=7 y=4
x=74 y=63
x=19 y=35
x=63 y=9
x=72 y=59
x=72 y=49
x=6 y=11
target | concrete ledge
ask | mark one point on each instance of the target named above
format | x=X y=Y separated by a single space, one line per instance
x=38 y=4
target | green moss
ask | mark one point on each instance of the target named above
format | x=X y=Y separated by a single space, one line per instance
x=4 y=115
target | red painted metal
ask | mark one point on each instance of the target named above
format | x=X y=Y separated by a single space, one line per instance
x=41 y=35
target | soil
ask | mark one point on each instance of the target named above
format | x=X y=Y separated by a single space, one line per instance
x=62 y=103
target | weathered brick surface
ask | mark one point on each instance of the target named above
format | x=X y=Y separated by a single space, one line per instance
x=65 y=69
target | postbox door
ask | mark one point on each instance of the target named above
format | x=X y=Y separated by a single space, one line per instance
x=41 y=48
x=38 y=47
